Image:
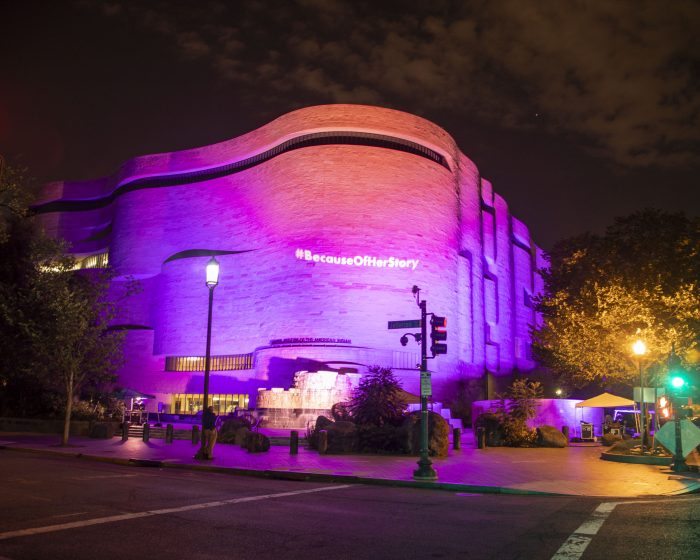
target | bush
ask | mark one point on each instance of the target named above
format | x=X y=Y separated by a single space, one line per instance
x=378 y=400
x=341 y=412
x=518 y=405
x=387 y=439
x=84 y=410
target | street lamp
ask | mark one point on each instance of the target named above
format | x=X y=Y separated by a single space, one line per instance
x=212 y=275
x=639 y=349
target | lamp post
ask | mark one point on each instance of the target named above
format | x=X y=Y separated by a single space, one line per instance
x=639 y=349
x=212 y=275
x=425 y=470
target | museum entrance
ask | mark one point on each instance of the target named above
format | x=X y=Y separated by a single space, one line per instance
x=223 y=403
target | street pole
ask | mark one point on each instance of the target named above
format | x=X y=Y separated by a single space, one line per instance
x=207 y=362
x=679 y=464
x=642 y=408
x=212 y=270
x=425 y=471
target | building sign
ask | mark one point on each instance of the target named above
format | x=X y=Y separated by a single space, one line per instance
x=278 y=341
x=357 y=260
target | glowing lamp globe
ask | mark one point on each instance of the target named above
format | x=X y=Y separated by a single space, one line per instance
x=639 y=348
x=212 y=272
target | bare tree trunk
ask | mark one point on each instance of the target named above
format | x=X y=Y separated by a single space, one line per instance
x=69 y=409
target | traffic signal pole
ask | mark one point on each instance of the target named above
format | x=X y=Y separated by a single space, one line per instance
x=679 y=464
x=425 y=470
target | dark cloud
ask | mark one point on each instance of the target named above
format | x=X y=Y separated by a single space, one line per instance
x=622 y=76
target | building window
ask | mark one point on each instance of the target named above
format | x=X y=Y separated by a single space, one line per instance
x=216 y=363
x=187 y=403
x=100 y=260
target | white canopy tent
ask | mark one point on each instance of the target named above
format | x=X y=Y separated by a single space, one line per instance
x=605 y=400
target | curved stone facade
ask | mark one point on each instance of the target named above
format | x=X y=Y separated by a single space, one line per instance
x=322 y=221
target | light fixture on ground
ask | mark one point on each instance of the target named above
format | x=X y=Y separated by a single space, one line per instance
x=639 y=349
x=212 y=279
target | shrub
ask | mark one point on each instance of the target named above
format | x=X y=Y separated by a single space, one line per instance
x=387 y=439
x=341 y=412
x=518 y=405
x=378 y=400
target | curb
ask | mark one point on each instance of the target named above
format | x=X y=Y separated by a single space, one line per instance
x=633 y=459
x=309 y=476
x=289 y=475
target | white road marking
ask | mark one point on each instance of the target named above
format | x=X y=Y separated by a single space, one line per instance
x=137 y=515
x=577 y=542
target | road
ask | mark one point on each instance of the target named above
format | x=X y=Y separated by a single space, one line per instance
x=66 y=508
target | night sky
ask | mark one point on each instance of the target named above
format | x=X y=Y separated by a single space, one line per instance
x=576 y=111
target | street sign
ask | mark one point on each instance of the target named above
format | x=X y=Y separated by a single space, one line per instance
x=690 y=436
x=407 y=324
x=426 y=388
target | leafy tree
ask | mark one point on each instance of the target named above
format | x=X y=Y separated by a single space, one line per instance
x=378 y=400
x=54 y=321
x=640 y=279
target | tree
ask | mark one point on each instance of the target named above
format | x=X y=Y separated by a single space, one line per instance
x=54 y=320
x=639 y=279
x=378 y=400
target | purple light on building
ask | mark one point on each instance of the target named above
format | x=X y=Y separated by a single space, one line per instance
x=322 y=221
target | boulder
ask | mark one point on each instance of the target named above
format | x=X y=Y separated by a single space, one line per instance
x=549 y=436
x=241 y=436
x=438 y=434
x=257 y=443
x=611 y=439
x=341 y=437
x=322 y=423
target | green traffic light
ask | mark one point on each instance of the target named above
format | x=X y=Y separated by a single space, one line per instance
x=677 y=382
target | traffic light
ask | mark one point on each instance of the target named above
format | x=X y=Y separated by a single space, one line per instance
x=438 y=334
x=678 y=382
x=664 y=410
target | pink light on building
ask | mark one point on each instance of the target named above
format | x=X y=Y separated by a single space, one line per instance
x=322 y=221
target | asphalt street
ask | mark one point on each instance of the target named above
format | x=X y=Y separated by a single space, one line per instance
x=65 y=508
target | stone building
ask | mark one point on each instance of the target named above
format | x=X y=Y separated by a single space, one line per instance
x=322 y=221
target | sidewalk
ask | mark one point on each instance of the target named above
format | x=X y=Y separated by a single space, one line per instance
x=575 y=470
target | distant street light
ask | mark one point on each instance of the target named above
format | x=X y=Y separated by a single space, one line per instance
x=212 y=274
x=639 y=349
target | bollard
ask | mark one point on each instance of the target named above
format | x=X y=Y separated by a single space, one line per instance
x=169 y=431
x=481 y=437
x=125 y=431
x=195 y=434
x=457 y=438
x=323 y=442
x=565 y=431
x=146 y=432
x=294 y=442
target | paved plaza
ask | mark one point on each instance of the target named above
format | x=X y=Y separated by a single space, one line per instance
x=574 y=470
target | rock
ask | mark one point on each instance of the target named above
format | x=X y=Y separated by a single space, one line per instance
x=611 y=439
x=549 y=436
x=341 y=437
x=322 y=423
x=438 y=434
x=240 y=436
x=257 y=443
